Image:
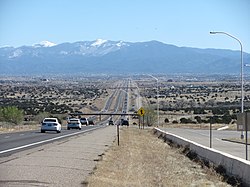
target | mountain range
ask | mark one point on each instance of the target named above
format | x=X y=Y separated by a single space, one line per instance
x=117 y=57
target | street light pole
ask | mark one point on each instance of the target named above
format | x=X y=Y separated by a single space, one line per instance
x=241 y=71
x=157 y=80
x=242 y=82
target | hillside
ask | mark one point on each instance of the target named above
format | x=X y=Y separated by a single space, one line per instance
x=116 y=57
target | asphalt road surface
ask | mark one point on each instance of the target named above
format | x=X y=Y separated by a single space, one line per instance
x=18 y=141
x=65 y=162
x=202 y=137
x=32 y=158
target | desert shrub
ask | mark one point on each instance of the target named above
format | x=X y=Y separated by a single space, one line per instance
x=219 y=111
x=11 y=114
x=186 y=120
x=198 y=119
x=226 y=119
x=166 y=120
x=150 y=116
x=199 y=111
x=214 y=119
x=39 y=117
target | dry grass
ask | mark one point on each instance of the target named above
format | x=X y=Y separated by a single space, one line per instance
x=144 y=160
x=6 y=127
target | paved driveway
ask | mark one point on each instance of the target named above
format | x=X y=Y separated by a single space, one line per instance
x=202 y=137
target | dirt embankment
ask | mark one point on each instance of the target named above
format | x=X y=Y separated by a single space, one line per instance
x=144 y=160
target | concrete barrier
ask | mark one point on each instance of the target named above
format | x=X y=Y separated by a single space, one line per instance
x=234 y=166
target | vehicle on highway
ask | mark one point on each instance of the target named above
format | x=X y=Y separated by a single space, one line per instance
x=91 y=122
x=67 y=119
x=125 y=122
x=111 y=122
x=84 y=121
x=74 y=123
x=51 y=124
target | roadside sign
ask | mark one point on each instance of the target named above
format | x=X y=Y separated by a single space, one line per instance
x=141 y=111
x=242 y=119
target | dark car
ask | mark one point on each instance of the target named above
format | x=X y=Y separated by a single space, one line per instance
x=91 y=122
x=125 y=122
x=111 y=122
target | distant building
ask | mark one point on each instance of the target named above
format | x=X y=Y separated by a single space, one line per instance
x=45 y=80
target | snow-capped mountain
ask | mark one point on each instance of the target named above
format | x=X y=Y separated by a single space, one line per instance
x=84 y=48
x=98 y=42
x=44 y=44
x=107 y=56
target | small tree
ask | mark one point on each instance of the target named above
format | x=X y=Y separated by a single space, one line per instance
x=175 y=122
x=198 y=119
x=186 y=120
x=11 y=114
x=150 y=116
x=226 y=118
x=166 y=120
x=41 y=116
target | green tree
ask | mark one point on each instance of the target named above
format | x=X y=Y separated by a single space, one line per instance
x=11 y=114
x=166 y=120
x=1 y=114
x=39 y=117
x=226 y=118
x=186 y=120
x=198 y=119
x=150 y=116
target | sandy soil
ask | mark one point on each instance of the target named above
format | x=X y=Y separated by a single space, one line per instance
x=144 y=160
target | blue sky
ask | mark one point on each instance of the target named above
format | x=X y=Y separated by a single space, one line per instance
x=178 y=22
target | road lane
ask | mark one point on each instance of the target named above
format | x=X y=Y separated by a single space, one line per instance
x=61 y=163
x=13 y=142
x=17 y=141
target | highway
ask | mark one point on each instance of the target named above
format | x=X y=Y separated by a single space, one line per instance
x=14 y=142
x=64 y=162
x=31 y=158
x=202 y=137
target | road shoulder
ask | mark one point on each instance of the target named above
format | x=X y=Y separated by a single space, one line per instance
x=62 y=163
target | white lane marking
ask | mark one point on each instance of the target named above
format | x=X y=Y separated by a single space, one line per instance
x=223 y=128
x=6 y=136
x=218 y=139
x=21 y=134
x=49 y=140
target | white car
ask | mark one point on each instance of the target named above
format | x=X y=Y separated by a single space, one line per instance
x=51 y=124
x=74 y=123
